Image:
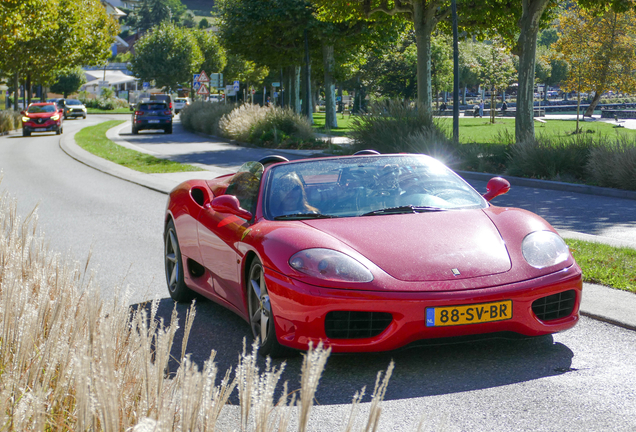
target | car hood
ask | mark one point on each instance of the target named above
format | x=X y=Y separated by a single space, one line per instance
x=435 y=246
x=40 y=115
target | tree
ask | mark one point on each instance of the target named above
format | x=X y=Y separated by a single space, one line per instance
x=496 y=72
x=169 y=55
x=154 y=12
x=214 y=57
x=39 y=38
x=441 y=66
x=188 y=20
x=608 y=58
x=392 y=72
x=69 y=82
x=203 y=24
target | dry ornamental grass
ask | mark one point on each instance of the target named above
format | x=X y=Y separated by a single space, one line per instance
x=71 y=361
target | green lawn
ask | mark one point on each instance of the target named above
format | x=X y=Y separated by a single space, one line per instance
x=115 y=111
x=480 y=130
x=344 y=124
x=605 y=265
x=93 y=139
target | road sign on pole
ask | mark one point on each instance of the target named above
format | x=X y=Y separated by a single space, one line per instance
x=237 y=86
x=203 y=90
x=203 y=77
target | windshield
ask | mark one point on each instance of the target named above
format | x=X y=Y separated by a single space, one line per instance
x=365 y=186
x=37 y=109
x=73 y=102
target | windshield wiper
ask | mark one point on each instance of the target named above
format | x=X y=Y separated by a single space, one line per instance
x=403 y=210
x=300 y=216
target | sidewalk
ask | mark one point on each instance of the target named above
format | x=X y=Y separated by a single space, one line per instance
x=599 y=302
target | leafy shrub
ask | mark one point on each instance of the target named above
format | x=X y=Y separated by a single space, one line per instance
x=391 y=126
x=558 y=159
x=9 y=120
x=488 y=158
x=613 y=164
x=204 y=117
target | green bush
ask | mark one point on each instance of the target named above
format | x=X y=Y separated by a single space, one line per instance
x=394 y=126
x=558 y=159
x=204 y=117
x=613 y=164
x=9 y=120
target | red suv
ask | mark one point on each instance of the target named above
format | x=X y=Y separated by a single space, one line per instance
x=42 y=117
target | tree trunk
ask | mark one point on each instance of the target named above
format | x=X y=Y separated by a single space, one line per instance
x=526 y=50
x=28 y=89
x=590 y=109
x=16 y=91
x=424 y=22
x=331 y=121
x=296 y=88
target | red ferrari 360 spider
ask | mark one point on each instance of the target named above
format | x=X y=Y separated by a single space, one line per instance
x=366 y=253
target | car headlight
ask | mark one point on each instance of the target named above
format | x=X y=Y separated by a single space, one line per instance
x=25 y=119
x=331 y=265
x=55 y=117
x=544 y=249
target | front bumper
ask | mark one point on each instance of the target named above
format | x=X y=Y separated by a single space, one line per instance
x=41 y=128
x=300 y=311
x=75 y=113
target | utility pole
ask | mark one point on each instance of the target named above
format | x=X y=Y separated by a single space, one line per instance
x=455 y=74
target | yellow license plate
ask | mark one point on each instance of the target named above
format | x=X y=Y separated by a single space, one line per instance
x=468 y=314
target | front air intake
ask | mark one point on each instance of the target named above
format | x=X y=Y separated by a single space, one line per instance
x=355 y=324
x=554 y=306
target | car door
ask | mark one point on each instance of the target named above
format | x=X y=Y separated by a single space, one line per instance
x=220 y=235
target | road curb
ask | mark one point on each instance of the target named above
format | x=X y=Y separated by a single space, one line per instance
x=68 y=145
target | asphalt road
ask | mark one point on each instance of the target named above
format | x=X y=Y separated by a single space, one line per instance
x=582 y=379
x=82 y=210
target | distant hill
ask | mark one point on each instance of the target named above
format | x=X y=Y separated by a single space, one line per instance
x=199 y=5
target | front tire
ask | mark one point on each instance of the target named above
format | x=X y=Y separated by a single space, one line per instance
x=26 y=133
x=58 y=131
x=260 y=313
x=174 y=266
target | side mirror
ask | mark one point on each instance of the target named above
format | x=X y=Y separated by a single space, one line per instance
x=496 y=186
x=22 y=112
x=229 y=204
x=61 y=111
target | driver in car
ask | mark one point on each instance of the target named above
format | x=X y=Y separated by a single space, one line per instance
x=289 y=197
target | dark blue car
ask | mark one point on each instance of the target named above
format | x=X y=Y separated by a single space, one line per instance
x=152 y=115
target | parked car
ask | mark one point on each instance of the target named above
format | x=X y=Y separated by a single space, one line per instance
x=366 y=253
x=215 y=98
x=42 y=117
x=180 y=103
x=152 y=115
x=74 y=108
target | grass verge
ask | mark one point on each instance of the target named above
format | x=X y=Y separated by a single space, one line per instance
x=605 y=265
x=113 y=111
x=93 y=139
